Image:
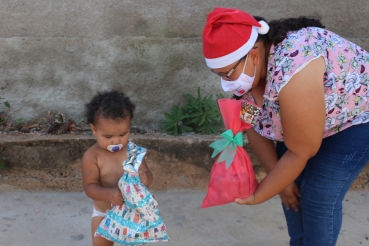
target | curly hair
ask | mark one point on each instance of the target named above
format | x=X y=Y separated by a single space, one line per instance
x=279 y=28
x=113 y=105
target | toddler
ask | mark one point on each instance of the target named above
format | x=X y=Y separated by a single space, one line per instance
x=105 y=163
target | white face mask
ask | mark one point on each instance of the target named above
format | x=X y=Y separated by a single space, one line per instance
x=241 y=85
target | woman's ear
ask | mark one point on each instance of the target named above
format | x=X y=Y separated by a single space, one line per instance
x=255 y=56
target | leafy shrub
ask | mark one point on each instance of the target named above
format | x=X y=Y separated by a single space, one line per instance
x=174 y=122
x=204 y=113
x=200 y=114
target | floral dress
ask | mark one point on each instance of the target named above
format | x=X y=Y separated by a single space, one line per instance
x=345 y=80
x=137 y=221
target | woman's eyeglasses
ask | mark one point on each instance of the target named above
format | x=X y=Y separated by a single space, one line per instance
x=227 y=76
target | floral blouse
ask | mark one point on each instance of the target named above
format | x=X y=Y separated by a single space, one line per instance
x=345 y=80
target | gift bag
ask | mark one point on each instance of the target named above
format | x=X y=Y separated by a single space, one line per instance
x=232 y=175
x=137 y=221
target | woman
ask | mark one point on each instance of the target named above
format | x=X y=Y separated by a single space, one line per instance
x=311 y=86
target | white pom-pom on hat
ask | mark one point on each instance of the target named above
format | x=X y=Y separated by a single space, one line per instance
x=264 y=29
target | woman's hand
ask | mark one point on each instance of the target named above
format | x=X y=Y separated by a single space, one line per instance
x=291 y=197
x=247 y=201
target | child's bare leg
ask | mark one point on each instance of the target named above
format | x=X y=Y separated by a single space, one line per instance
x=98 y=241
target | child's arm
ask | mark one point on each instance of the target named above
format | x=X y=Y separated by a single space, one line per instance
x=91 y=182
x=145 y=174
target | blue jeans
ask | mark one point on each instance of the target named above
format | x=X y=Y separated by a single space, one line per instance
x=323 y=185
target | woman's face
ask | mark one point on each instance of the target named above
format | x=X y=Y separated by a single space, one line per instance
x=255 y=66
x=238 y=67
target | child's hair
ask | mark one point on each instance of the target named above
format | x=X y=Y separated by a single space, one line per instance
x=113 y=105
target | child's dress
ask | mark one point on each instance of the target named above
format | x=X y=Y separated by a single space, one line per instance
x=137 y=221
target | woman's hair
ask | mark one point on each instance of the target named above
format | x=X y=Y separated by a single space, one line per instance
x=278 y=29
x=113 y=105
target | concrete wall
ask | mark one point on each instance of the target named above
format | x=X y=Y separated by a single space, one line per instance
x=53 y=162
x=56 y=54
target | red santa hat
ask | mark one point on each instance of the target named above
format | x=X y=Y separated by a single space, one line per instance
x=228 y=35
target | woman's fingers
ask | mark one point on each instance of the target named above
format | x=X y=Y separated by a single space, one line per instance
x=291 y=197
x=247 y=201
x=286 y=205
x=293 y=202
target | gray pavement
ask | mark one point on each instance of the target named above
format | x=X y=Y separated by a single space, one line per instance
x=63 y=218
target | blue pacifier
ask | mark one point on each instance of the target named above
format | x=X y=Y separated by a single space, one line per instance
x=114 y=147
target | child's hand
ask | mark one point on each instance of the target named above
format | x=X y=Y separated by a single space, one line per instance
x=143 y=177
x=145 y=174
x=116 y=197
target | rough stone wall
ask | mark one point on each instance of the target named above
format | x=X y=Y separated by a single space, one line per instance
x=56 y=54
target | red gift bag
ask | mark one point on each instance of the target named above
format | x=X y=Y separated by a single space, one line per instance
x=232 y=175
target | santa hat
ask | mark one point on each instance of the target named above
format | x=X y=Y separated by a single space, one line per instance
x=228 y=35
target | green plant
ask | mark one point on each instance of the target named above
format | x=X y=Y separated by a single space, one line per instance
x=203 y=113
x=221 y=95
x=20 y=121
x=2 y=166
x=2 y=88
x=200 y=114
x=174 y=122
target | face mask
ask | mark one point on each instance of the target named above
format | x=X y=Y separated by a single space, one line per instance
x=241 y=85
x=114 y=148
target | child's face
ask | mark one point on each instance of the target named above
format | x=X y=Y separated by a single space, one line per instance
x=111 y=132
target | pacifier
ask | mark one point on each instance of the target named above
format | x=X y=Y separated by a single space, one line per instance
x=114 y=147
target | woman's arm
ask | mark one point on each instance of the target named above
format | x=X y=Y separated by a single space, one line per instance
x=263 y=148
x=265 y=151
x=302 y=106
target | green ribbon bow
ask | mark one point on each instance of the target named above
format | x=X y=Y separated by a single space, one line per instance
x=227 y=146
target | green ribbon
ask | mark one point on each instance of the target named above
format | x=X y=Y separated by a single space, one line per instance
x=227 y=146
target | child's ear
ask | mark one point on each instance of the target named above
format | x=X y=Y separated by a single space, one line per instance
x=93 y=129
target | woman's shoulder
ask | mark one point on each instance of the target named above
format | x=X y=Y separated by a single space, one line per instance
x=308 y=41
x=293 y=54
x=312 y=34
